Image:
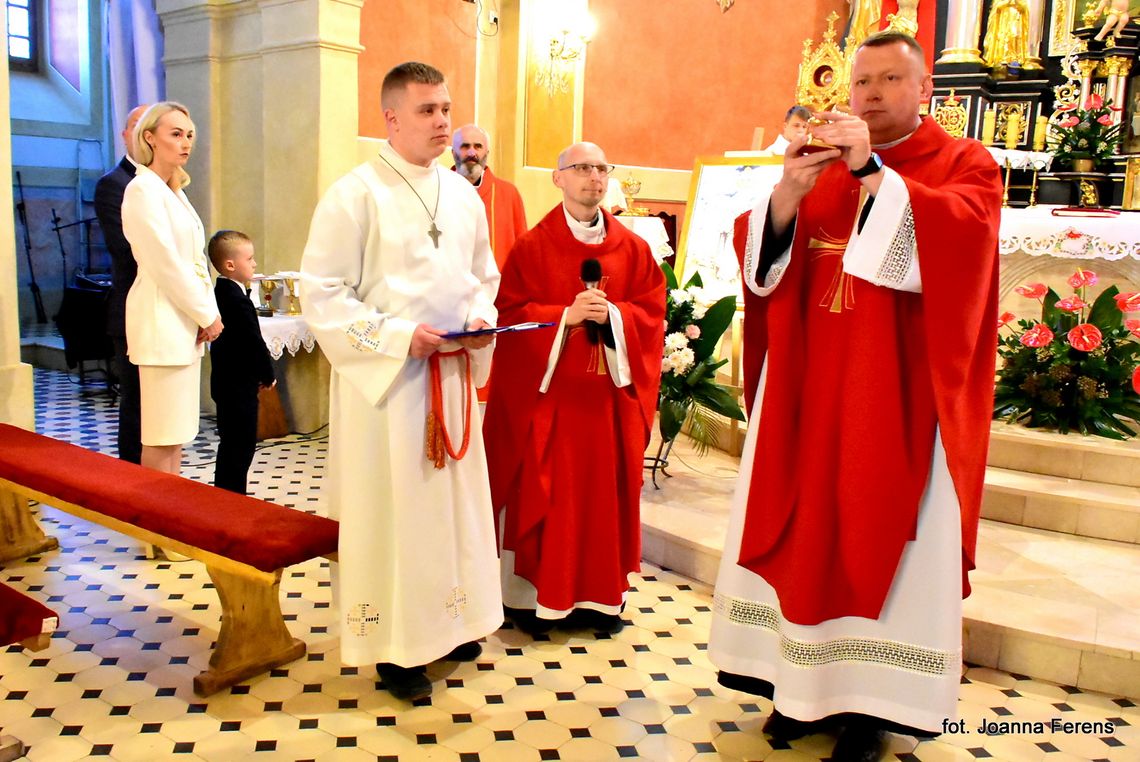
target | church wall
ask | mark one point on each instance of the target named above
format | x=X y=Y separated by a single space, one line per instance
x=666 y=82
x=438 y=32
x=59 y=144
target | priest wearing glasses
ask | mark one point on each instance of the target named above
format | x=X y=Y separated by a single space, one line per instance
x=570 y=410
x=398 y=256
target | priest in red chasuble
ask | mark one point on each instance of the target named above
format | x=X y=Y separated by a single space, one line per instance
x=855 y=519
x=571 y=407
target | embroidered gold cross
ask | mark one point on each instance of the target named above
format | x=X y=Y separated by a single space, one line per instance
x=456 y=602
x=840 y=294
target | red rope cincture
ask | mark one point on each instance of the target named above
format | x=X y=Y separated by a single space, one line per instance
x=437 y=445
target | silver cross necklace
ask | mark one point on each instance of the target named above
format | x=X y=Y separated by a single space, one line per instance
x=433 y=232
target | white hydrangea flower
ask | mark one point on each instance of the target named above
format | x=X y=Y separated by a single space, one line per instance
x=675 y=341
x=699 y=310
x=680 y=296
x=666 y=364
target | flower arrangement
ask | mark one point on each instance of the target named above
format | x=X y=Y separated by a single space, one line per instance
x=1078 y=367
x=689 y=391
x=1088 y=132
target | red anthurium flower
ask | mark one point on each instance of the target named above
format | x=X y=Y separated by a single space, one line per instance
x=1067 y=106
x=1005 y=317
x=1094 y=102
x=1071 y=304
x=1129 y=301
x=1136 y=380
x=1106 y=119
x=1037 y=336
x=1069 y=121
x=1032 y=290
x=1086 y=337
x=1082 y=278
x=1133 y=326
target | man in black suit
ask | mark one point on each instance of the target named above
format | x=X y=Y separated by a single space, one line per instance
x=108 y=203
x=239 y=360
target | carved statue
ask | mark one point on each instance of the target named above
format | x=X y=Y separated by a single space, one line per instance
x=1117 y=12
x=1007 y=33
x=865 y=17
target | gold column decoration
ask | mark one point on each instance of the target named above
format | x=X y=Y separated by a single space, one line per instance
x=824 y=78
x=1020 y=123
x=1087 y=68
x=951 y=115
x=1117 y=68
x=963 y=28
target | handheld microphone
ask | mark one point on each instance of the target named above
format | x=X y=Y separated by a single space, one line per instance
x=591 y=273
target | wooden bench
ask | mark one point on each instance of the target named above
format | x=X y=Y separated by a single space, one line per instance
x=245 y=543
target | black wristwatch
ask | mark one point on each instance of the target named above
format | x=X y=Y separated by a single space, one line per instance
x=873 y=165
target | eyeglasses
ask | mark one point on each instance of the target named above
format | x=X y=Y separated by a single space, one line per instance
x=585 y=170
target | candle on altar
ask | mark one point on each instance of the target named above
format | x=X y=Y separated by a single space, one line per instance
x=1039 y=131
x=989 y=126
x=1012 y=130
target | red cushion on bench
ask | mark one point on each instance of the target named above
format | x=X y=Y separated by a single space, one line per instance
x=21 y=617
x=245 y=529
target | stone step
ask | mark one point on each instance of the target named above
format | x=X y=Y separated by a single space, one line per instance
x=1074 y=506
x=1070 y=456
x=1054 y=606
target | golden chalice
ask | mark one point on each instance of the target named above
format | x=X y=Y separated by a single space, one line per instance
x=293 y=303
x=630 y=187
x=266 y=287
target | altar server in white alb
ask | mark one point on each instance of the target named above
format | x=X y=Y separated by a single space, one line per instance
x=398 y=255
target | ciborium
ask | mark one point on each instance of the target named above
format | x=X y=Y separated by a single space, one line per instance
x=630 y=187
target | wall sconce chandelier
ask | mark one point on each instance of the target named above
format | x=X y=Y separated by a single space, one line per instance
x=567 y=45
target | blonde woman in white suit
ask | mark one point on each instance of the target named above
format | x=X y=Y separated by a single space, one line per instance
x=171 y=311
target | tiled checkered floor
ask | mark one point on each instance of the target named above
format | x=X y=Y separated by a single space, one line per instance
x=116 y=680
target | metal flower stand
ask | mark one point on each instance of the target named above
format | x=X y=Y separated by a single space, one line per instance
x=660 y=461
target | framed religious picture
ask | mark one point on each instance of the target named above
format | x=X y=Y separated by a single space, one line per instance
x=1131 y=200
x=721 y=189
x=1132 y=117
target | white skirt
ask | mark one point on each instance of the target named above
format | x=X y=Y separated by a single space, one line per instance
x=168 y=404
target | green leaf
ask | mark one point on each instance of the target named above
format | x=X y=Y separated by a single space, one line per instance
x=713 y=325
x=670 y=276
x=704 y=430
x=671 y=418
x=1050 y=315
x=695 y=280
x=719 y=400
x=1104 y=314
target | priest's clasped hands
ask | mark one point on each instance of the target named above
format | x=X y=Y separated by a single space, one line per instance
x=852 y=140
x=426 y=340
x=590 y=304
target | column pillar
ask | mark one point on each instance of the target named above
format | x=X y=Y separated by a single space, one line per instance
x=271 y=85
x=17 y=404
x=963 y=28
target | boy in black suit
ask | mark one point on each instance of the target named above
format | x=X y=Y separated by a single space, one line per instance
x=240 y=362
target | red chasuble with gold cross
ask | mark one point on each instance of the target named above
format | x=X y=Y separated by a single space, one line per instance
x=567 y=463
x=858 y=376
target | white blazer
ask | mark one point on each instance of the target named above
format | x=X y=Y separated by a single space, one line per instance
x=172 y=295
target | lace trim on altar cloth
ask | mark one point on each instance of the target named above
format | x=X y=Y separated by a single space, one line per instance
x=1070 y=244
x=900 y=254
x=803 y=653
x=293 y=342
x=364 y=336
